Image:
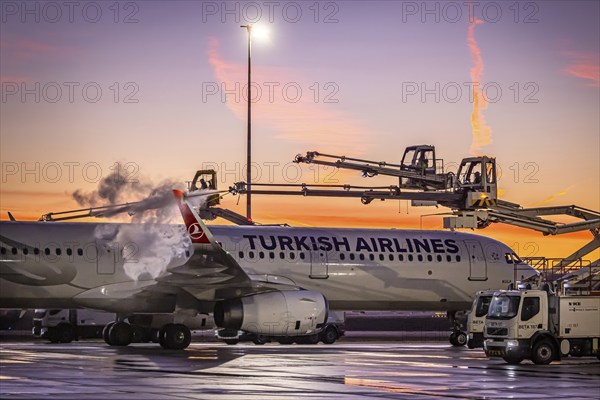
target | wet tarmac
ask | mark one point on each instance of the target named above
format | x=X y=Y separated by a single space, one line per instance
x=350 y=369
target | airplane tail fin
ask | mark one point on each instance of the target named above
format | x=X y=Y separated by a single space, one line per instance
x=197 y=230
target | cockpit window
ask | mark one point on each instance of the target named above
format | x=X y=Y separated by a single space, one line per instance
x=512 y=258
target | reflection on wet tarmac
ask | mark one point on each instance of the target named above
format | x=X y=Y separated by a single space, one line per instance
x=346 y=370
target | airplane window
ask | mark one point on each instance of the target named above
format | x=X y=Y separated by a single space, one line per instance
x=25 y=251
x=261 y=254
x=271 y=255
x=410 y=257
x=372 y=257
x=58 y=251
x=420 y=257
x=36 y=251
x=439 y=258
x=448 y=258
x=381 y=257
x=302 y=256
x=2 y=250
x=187 y=253
x=391 y=257
x=241 y=254
x=251 y=254
x=400 y=257
x=517 y=259
x=457 y=258
x=69 y=252
x=352 y=256
x=508 y=258
x=14 y=250
x=342 y=256
x=429 y=257
x=361 y=256
x=292 y=255
x=47 y=251
x=282 y=255
x=79 y=252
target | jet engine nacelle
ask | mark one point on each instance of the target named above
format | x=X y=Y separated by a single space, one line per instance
x=281 y=313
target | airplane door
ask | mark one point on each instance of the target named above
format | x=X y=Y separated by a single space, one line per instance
x=478 y=265
x=105 y=258
x=319 y=268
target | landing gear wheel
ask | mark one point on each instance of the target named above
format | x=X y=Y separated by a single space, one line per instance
x=120 y=334
x=231 y=342
x=329 y=335
x=543 y=352
x=260 y=340
x=175 y=336
x=105 y=331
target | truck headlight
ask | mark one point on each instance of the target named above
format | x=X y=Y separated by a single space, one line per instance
x=512 y=343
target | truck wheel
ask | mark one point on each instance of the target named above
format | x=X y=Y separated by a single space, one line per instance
x=543 y=352
x=65 y=333
x=460 y=338
x=286 y=340
x=259 y=339
x=513 y=360
x=329 y=335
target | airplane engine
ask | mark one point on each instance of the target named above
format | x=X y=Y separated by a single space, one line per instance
x=281 y=313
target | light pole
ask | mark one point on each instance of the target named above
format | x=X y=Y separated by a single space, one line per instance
x=249 y=129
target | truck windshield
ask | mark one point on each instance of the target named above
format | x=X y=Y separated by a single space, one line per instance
x=483 y=305
x=504 y=307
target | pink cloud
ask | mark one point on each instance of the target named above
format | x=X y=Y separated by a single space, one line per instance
x=22 y=49
x=296 y=118
x=584 y=65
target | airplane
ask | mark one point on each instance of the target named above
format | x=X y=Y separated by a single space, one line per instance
x=266 y=280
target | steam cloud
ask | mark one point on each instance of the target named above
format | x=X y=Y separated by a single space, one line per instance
x=156 y=204
x=482 y=133
x=150 y=246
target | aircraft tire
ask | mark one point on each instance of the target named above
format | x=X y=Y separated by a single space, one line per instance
x=105 y=332
x=120 y=334
x=175 y=337
x=231 y=342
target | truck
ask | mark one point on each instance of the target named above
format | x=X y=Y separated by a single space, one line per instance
x=476 y=318
x=542 y=326
x=66 y=325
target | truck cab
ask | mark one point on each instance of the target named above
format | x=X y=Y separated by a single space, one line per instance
x=541 y=326
x=476 y=318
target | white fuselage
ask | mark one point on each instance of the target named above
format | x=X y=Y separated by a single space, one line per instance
x=55 y=265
